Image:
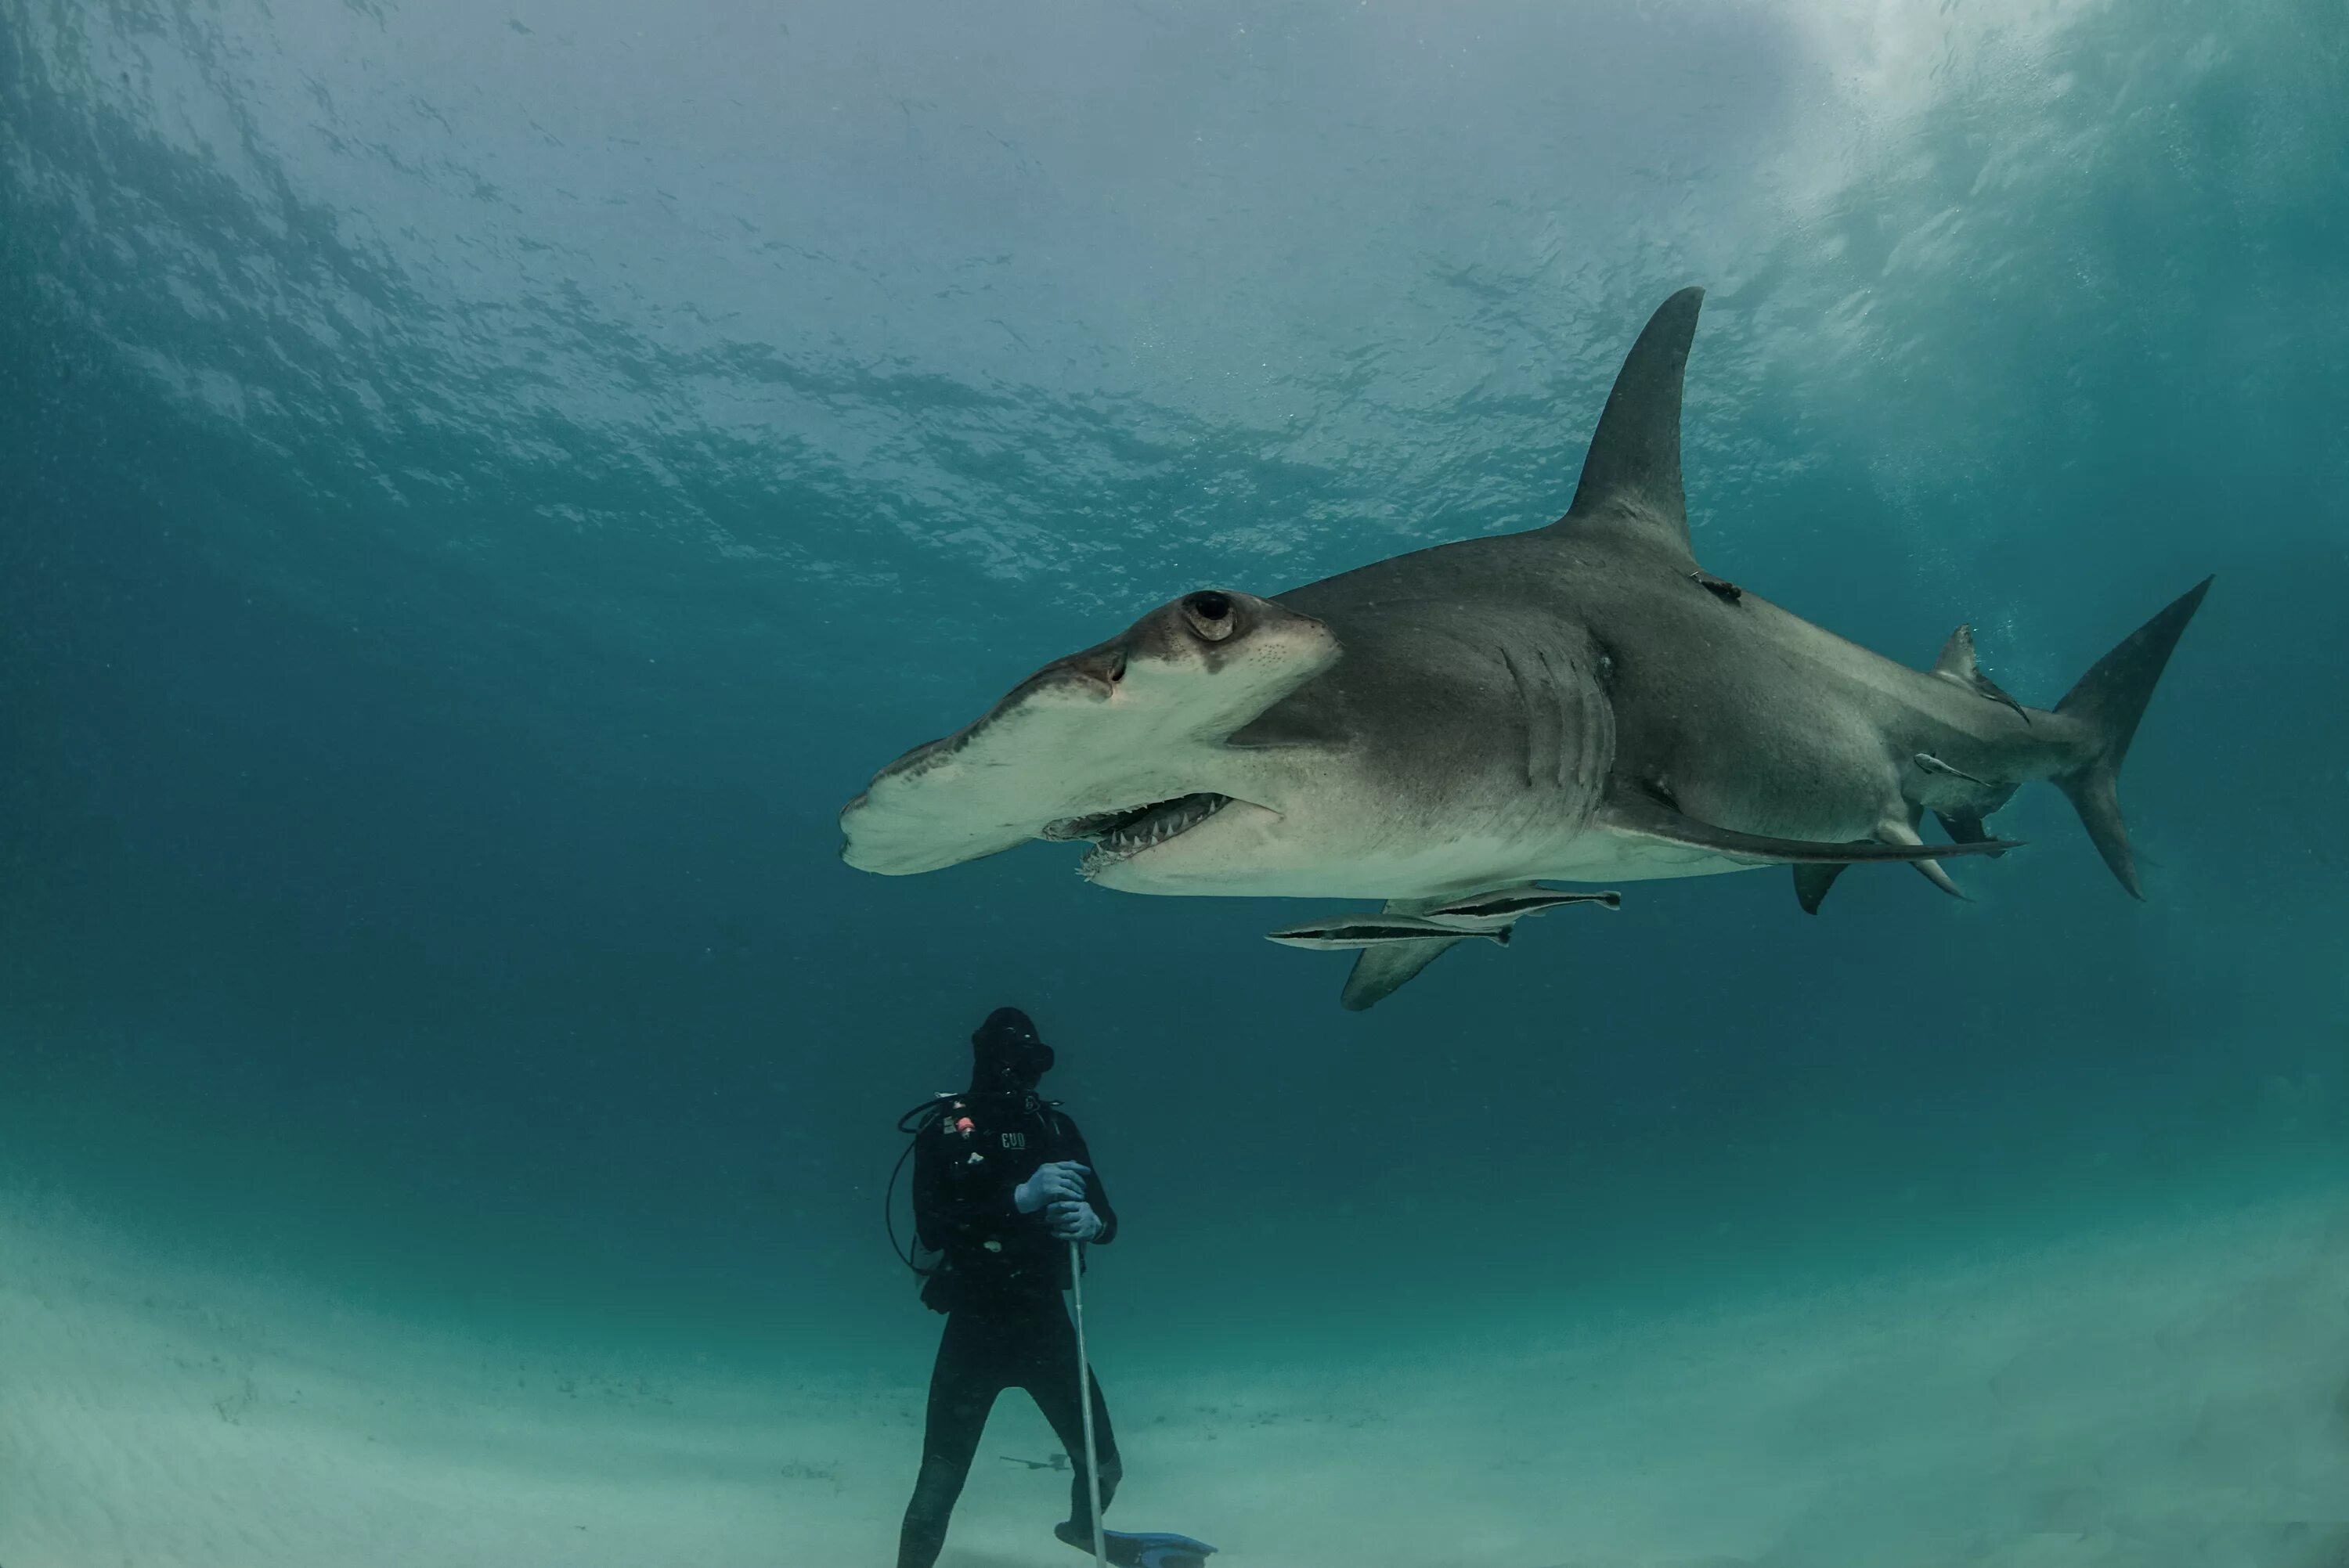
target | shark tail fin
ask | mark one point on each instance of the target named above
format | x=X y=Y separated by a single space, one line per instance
x=2109 y=701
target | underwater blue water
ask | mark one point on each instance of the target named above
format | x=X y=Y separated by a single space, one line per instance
x=482 y=486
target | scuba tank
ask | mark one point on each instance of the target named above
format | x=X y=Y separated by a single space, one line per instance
x=936 y=1270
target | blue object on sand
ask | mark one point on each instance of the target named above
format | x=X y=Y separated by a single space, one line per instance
x=1139 y=1548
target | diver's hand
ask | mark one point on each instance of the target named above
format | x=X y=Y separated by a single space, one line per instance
x=1063 y=1181
x=1075 y=1222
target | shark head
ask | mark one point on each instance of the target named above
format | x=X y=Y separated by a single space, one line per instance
x=1123 y=744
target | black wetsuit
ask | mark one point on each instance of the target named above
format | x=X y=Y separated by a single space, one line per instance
x=999 y=1284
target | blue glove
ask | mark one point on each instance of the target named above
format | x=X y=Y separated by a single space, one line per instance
x=1063 y=1181
x=1075 y=1222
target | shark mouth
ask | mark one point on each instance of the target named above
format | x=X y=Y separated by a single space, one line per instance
x=1121 y=835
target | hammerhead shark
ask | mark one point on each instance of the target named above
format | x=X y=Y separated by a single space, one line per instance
x=1578 y=703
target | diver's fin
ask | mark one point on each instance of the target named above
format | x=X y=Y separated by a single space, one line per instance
x=1138 y=1548
x=2109 y=701
x=1640 y=817
x=1957 y=663
x=1380 y=972
x=1811 y=884
x=1632 y=474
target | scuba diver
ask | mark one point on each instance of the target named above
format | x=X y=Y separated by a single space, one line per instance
x=1006 y=1195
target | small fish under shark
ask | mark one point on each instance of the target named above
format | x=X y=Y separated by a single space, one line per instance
x=1409 y=938
x=1578 y=703
x=1492 y=916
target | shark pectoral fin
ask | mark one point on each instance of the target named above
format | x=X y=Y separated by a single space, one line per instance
x=1380 y=972
x=1637 y=817
x=1811 y=884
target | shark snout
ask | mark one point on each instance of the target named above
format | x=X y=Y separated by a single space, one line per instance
x=1123 y=744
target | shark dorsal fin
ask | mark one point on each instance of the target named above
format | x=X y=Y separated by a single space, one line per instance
x=1633 y=472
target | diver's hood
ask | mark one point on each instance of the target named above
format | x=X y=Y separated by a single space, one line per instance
x=1007 y=1054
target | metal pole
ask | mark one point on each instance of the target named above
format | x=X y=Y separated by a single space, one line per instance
x=1085 y=1400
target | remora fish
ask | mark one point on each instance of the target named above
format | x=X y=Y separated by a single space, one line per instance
x=1340 y=932
x=1507 y=906
x=1396 y=945
x=1578 y=703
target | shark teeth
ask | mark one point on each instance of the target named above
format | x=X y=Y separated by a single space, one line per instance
x=1121 y=835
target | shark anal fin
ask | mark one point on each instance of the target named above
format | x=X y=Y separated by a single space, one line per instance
x=1631 y=477
x=1811 y=885
x=1640 y=818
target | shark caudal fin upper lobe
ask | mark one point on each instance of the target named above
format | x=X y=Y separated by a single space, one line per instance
x=2109 y=701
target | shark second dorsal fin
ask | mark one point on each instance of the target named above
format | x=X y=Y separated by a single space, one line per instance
x=1632 y=475
x=1958 y=664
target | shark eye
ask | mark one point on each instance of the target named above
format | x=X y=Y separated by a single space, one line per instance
x=1210 y=615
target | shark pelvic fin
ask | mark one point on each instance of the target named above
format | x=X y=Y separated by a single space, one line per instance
x=1905 y=834
x=1631 y=477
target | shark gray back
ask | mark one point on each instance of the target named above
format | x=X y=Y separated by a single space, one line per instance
x=1579 y=703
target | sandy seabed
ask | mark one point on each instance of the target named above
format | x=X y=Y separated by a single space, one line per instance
x=2174 y=1394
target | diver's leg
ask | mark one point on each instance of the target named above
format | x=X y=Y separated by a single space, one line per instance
x=968 y=1374
x=1048 y=1373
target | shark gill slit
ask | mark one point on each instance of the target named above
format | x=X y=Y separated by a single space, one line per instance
x=1594 y=732
x=1530 y=705
x=1554 y=697
x=1565 y=694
